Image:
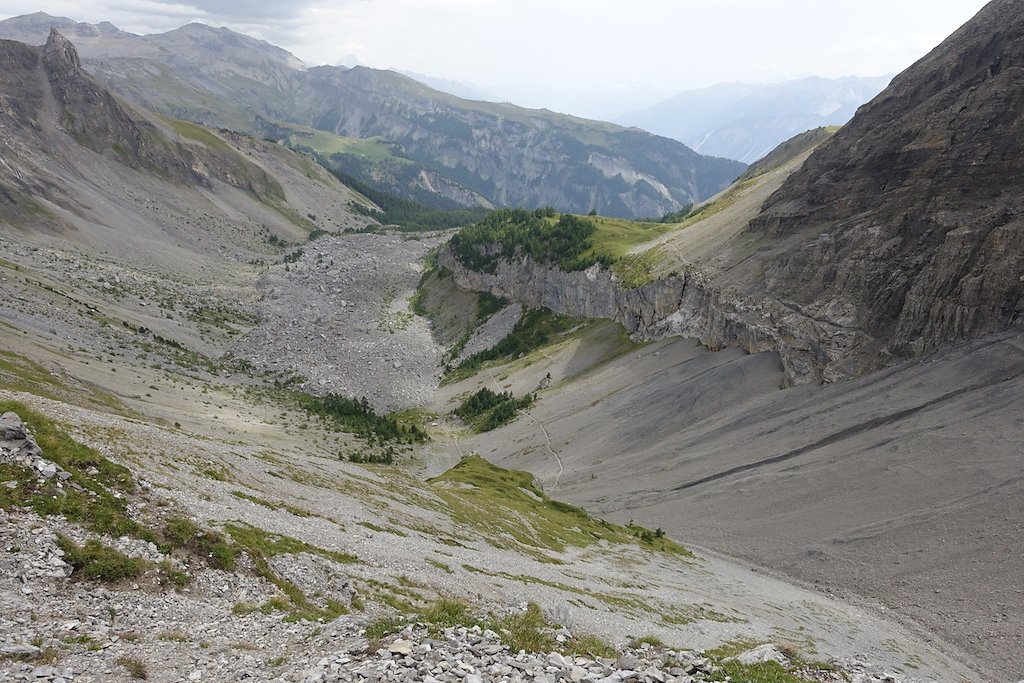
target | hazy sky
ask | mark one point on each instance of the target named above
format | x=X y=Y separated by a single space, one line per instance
x=584 y=56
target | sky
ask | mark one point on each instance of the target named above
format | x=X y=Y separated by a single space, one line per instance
x=586 y=57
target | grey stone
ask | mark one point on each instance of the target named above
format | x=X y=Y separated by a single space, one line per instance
x=11 y=427
x=762 y=654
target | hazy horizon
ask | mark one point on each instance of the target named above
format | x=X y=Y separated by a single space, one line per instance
x=589 y=59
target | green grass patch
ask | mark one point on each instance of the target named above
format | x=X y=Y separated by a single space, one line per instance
x=528 y=631
x=637 y=270
x=272 y=505
x=18 y=373
x=512 y=511
x=631 y=603
x=135 y=667
x=800 y=670
x=99 y=562
x=196 y=132
x=589 y=645
x=383 y=529
x=386 y=626
x=327 y=144
x=211 y=546
x=614 y=238
x=653 y=641
x=96 y=507
x=267 y=544
x=171 y=576
x=440 y=565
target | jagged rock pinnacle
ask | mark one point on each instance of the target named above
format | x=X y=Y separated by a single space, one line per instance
x=59 y=51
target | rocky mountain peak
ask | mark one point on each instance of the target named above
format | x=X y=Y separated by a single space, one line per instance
x=59 y=53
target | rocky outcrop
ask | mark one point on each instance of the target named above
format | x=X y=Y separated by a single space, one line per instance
x=909 y=223
x=18 y=447
x=690 y=305
x=46 y=97
x=97 y=120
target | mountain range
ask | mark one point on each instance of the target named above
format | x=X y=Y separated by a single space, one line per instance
x=388 y=130
x=745 y=121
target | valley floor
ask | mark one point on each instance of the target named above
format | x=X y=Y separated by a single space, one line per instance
x=661 y=433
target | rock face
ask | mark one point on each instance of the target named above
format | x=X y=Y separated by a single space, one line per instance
x=45 y=90
x=689 y=305
x=908 y=223
x=591 y=293
x=513 y=156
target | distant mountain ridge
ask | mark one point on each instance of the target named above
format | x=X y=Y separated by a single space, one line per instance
x=438 y=145
x=79 y=161
x=746 y=121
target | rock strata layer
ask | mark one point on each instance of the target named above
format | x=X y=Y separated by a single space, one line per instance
x=690 y=305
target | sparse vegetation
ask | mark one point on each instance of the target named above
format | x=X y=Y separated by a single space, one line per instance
x=171 y=576
x=513 y=511
x=271 y=504
x=97 y=561
x=385 y=626
x=653 y=641
x=527 y=630
x=136 y=667
x=356 y=416
x=536 y=328
x=800 y=671
x=209 y=545
x=95 y=506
